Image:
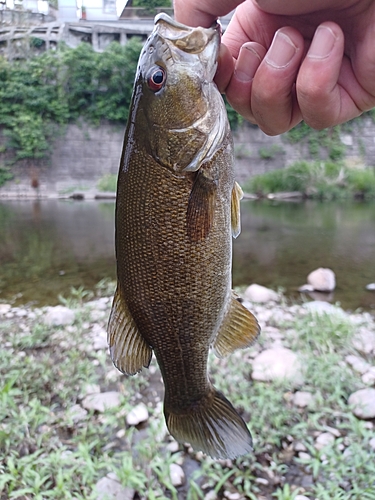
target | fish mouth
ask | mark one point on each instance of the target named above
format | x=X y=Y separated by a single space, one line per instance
x=186 y=38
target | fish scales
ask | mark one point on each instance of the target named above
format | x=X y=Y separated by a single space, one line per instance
x=176 y=206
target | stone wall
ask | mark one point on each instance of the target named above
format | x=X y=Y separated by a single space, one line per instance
x=83 y=154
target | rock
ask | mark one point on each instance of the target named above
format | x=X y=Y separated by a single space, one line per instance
x=321 y=307
x=323 y=440
x=109 y=488
x=364 y=341
x=303 y=399
x=322 y=280
x=358 y=364
x=177 y=474
x=301 y=497
x=298 y=446
x=368 y=378
x=4 y=309
x=59 y=316
x=137 y=415
x=277 y=363
x=99 y=336
x=100 y=304
x=261 y=294
x=173 y=447
x=370 y=286
x=372 y=443
x=306 y=288
x=76 y=413
x=102 y=401
x=89 y=389
x=363 y=403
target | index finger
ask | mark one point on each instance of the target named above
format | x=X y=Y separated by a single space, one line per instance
x=202 y=12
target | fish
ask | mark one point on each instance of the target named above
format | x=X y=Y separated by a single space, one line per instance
x=177 y=209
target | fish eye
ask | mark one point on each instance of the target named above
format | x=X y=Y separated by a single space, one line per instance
x=156 y=78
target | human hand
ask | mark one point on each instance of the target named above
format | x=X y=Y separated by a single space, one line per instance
x=284 y=62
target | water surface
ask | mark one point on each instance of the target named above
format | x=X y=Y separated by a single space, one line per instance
x=47 y=247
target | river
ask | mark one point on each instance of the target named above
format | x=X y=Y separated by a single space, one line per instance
x=47 y=247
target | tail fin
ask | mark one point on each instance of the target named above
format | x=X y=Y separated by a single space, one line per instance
x=212 y=426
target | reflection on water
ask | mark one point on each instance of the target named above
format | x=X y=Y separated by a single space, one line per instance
x=46 y=247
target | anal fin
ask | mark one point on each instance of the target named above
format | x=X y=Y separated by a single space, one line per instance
x=239 y=329
x=129 y=351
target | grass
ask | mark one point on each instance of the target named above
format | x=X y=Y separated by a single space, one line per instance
x=45 y=454
x=108 y=183
x=321 y=180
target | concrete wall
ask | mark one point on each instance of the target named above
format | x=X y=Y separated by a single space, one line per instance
x=83 y=154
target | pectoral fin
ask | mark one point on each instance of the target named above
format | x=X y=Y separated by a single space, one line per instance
x=129 y=351
x=238 y=330
x=201 y=207
x=237 y=195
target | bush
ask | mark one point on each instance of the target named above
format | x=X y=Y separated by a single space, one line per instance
x=324 y=180
x=61 y=86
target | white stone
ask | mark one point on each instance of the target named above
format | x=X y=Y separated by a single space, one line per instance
x=322 y=279
x=358 y=364
x=303 y=399
x=370 y=286
x=89 y=389
x=76 y=413
x=137 y=415
x=4 y=309
x=323 y=440
x=346 y=139
x=299 y=446
x=363 y=403
x=368 y=378
x=277 y=363
x=306 y=288
x=301 y=497
x=109 y=488
x=101 y=402
x=173 y=446
x=261 y=294
x=59 y=316
x=100 y=304
x=99 y=336
x=320 y=307
x=364 y=341
x=372 y=443
x=177 y=474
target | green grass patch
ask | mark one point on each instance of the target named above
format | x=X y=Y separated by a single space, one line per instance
x=108 y=183
x=320 y=180
x=44 y=453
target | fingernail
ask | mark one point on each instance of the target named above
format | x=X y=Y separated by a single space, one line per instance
x=323 y=43
x=281 y=52
x=247 y=64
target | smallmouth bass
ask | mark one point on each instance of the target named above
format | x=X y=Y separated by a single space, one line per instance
x=177 y=208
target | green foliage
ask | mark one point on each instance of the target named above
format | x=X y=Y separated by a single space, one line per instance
x=60 y=86
x=152 y=4
x=270 y=152
x=234 y=118
x=318 y=140
x=322 y=180
x=5 y=175
x=108 y=183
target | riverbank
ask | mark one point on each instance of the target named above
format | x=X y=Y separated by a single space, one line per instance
x=70 y=424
